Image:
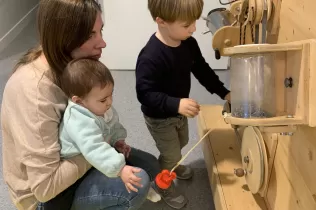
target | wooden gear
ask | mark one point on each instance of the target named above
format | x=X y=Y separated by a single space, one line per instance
x=248 y=15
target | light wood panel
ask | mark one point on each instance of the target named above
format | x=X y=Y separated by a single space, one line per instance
x=296 y=20
x=292 y=183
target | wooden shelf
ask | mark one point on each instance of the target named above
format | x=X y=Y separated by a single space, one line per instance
x=273 y=121
x=262 y=48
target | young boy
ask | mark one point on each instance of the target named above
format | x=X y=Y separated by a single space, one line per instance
x=163 y=80
x=91 y=126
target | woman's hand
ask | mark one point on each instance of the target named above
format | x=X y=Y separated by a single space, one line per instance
x=123 y=148
x=130 y=179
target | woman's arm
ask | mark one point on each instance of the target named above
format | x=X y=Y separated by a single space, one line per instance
x=34 y=107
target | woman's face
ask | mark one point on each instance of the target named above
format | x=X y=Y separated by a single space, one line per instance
x=94 y=45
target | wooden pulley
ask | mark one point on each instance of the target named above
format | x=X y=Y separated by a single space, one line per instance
x=256 y=9
x=254 y=160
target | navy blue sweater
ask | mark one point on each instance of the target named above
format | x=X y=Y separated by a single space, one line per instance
x=163 y=76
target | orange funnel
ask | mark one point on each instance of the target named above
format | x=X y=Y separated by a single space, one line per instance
x=164 y=179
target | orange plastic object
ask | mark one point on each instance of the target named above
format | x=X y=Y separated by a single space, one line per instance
x=164 y=179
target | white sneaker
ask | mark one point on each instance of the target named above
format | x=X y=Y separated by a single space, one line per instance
x=153 y=195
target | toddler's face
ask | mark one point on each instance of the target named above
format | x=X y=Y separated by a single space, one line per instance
x=99 y=100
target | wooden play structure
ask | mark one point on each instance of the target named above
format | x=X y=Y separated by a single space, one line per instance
x=261 y=151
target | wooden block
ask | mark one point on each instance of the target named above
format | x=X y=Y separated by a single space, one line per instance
x=222 y=155
x=297 y=20
x=301 y=148
x=287 y=188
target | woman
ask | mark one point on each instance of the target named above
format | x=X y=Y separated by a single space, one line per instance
x=32 y=108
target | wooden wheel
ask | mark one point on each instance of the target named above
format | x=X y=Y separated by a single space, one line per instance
x=258 y=8
x=254 y=159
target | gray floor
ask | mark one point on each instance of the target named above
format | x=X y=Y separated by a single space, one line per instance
x=197 y=190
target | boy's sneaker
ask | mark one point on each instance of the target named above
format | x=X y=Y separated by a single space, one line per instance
x=172 y=198
x=183 y=172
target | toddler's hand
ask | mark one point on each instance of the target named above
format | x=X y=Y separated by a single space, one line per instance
x=189 y=107
x=130 y=179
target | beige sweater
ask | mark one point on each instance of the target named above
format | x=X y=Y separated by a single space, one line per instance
x=32 y=108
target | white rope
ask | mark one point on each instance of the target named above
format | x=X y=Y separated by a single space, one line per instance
x=184 y=157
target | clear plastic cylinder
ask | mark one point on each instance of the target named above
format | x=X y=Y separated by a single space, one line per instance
x=252 y=86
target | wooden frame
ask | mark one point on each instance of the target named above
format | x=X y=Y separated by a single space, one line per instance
x=294 y=105
x=290 y=142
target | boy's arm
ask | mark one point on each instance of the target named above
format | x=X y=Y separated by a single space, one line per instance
x=147 y=88
x=205 y=74
x=88 y=137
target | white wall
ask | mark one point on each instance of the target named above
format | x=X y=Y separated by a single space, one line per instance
x=14 y=16
x=128 y=26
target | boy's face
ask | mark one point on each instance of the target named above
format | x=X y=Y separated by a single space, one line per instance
x=180 y=30
x=99 y=100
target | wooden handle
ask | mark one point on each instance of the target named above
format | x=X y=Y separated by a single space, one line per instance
x=240 y=172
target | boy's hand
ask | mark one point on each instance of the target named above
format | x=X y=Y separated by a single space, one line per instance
x=189 y=107
x=123 y=148
x=130 y=179
x=227 y=97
